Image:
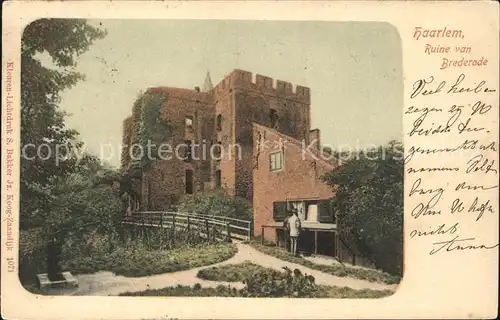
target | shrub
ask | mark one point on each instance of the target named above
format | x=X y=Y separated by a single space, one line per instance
x=369 y=201
x=271 y=283
x=216 y=202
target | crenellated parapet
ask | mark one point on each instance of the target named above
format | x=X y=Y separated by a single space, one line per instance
x=250 y=81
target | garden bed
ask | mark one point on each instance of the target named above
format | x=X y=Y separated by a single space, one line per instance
x=230 y=272
x=334 y=269
x=261 y=282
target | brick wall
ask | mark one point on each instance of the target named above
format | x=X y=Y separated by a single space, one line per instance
x=299 y=178
x=165 y=182
x=240 y=99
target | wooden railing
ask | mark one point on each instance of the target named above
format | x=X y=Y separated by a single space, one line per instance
x=231 y=227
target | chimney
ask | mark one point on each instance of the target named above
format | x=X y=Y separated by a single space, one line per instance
x=197 y=89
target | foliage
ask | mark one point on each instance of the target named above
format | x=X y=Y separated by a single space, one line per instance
x=333 y=292
x=42 y=122
x=335 y=269
x=216 y=202
x=57 y=197
x=369 y=204
x=79 y=210
x=150 y=130
x=268 y=283
x=230 y=272
x=130 y=252
x=187 y=291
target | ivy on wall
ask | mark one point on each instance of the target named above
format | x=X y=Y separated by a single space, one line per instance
x=148 y=129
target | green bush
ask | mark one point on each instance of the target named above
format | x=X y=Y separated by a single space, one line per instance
x=369 y=204
x=216 y=202
x=266 y=283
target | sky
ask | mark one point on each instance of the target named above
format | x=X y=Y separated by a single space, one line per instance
x=354 y=70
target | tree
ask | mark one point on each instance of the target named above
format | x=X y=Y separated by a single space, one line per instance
x=43 y=130
x=49 y=162
x=83 y=204
x=369 y=204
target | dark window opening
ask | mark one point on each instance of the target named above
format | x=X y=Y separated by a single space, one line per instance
x=217 y=150
x=219 y=122
x=188 y=154
x=279 y=211
x=325 y=212
x=218 y=178
x=189 y=181
x=273 y=116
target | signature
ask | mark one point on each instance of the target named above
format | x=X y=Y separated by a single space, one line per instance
x=450 y=245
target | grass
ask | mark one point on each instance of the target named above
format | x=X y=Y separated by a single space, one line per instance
x=138 y=262
x=333 y=269
x=187 y=291
x=333 y=292
x=241 y=272
x=230 y=272
x=225 y=291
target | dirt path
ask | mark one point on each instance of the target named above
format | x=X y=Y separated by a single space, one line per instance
x=107 y=283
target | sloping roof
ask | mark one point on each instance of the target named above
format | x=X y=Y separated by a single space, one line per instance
x=297 y=143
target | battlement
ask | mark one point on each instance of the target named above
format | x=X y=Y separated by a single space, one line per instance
x=246 y=79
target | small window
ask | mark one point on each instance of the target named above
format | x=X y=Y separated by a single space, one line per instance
x=218 y=179
x=188 y=123
x=217 y=150
x=279 y=211
x=219 y=122
x=188 y=155
x=189 y=181
x=273 y=117
x=276 y=161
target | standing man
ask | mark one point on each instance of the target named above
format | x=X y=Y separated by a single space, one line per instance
x=286 y=231
x=294 y=228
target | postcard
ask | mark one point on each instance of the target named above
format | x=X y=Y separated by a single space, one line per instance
x=250 y=160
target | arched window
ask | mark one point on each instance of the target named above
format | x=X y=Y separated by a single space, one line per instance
x=219 y=122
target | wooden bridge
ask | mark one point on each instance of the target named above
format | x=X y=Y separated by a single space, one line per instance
x=231 y=228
